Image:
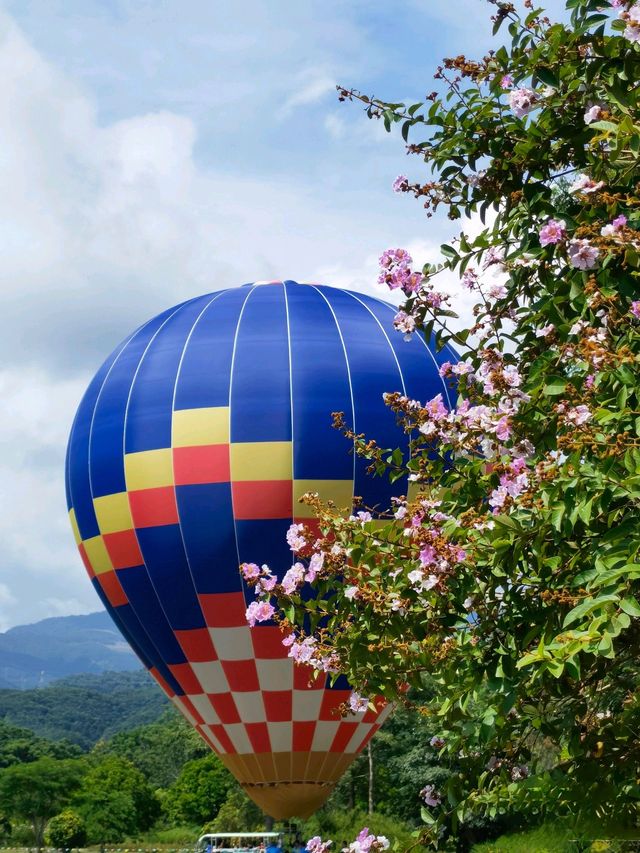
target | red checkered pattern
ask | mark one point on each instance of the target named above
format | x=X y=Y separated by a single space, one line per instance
x=245 y=696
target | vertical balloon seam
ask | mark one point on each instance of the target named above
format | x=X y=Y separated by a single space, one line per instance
x=115 y=356
x=346 y=360
x=215 y=297
x=160 y=603
x=320 y=290
x=250 y=292
x=426 y=346
x=293 y=472
x=130 y=339
x=386 y=336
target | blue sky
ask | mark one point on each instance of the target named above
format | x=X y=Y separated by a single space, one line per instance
x=156 y=149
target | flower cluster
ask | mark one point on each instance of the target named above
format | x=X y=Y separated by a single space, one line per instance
x=366 y=842
x=632 y=19
x=522 y=101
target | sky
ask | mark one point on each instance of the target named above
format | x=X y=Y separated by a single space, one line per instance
x=152 y=150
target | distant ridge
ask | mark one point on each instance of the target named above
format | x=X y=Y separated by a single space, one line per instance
x=34 y=655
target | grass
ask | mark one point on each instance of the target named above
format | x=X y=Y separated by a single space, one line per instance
x=549 y=838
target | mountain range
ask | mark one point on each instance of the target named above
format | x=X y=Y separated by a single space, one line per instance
x=35 y=655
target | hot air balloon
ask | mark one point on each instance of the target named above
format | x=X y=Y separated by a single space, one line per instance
x=187 y=456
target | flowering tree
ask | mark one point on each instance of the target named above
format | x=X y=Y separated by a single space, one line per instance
x=510 y=572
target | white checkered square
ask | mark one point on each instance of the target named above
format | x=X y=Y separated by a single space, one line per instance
x=205 y=709
x=211 y=676
x=358 y=736
x=281 y=736
x=275 y=674
x=232 y=643
x=323 y=736
x=250 y=707
x=239 y=738
x=306 y=704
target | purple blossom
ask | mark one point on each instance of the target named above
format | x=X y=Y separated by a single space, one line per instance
x=579 y=415
x=493 y=256
x=585 y=185
x=437 y=742
x=358 y=703
x=497 y=291
x=522 y=101
x=250 y=571
x=470 y=279
x=430 y=796
x=583 y=255
x=266 y=584
x=635 y=308
x=592 y=114
x=351 y=592
x=400 y=184
x=614 y=226
x=506 y=82
x=259 y=611
x=295 y=538
x=545 y=331
x=293 y=579
x=553 y=232
x=317 y=845
x=315 y=565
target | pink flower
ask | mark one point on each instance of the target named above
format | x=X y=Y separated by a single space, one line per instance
x=303 y=652
x=592 y=114
x=250 y=571
x=400 y=184
x=315 y=564
x=428 y=555
x=583 y=255
x=614 y=226
x=351 y=592
x=470 y=279
x=317 y=845
x=266 y=584
x=522 y=101
x=553 y=232
x=358 y=703
x=545 y=331
x=589 y=381
x=616 y=4
x=497 y=291
x=259 y=611
x=493 y=256
x=289 y=640
x=404 y=322
x=579 y=415
x=632 y=32
x=635 y=309
x=430 y=796
x=585 y=185
x=437 y=742
x=293 y=579
x=503 y=429
x=295 y=538
x=506 y=82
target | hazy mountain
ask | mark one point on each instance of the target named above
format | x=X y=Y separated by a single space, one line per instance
x=34 y=655
x=86 y=708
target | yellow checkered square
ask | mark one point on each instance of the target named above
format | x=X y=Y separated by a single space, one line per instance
x=148 y=469
x=98 y=555
x=338 y=491
x=74 y=526
x=195 y=427
x=113 y=513
x=261 y=460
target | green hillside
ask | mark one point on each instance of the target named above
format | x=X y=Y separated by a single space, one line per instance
x=85 y=708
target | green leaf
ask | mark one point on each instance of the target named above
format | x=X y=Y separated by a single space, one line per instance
x=630 y=606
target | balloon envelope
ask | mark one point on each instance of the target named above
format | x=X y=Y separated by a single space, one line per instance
x=187 y=456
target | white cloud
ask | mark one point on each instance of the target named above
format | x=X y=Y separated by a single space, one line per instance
x=308 y=88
